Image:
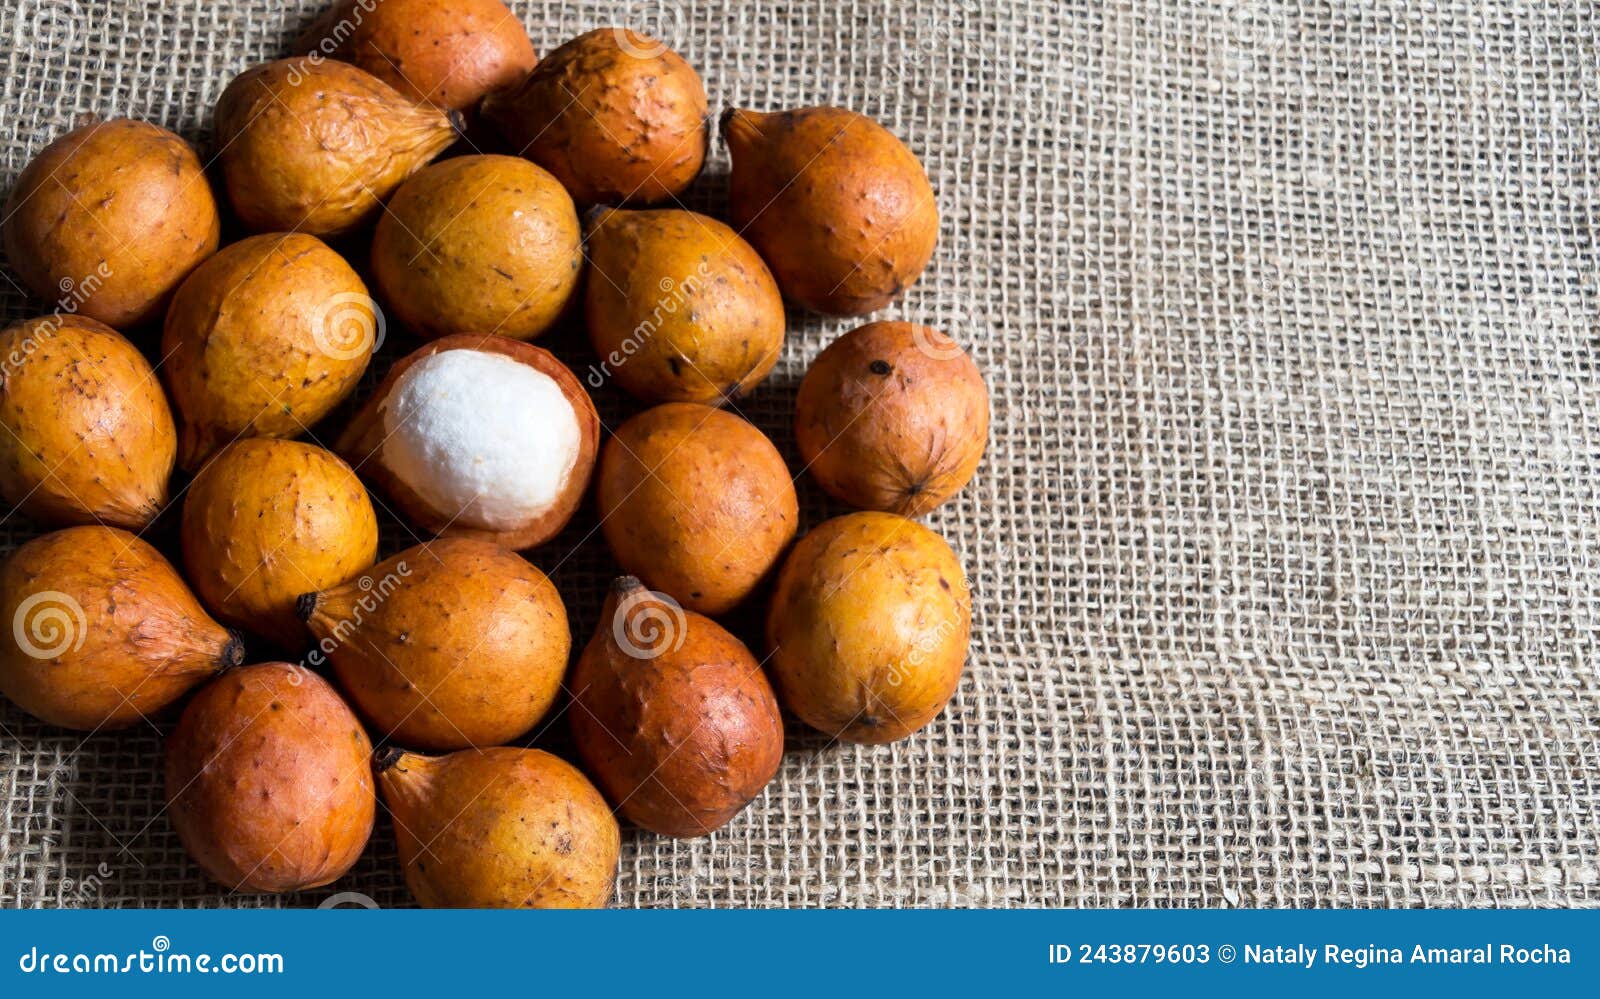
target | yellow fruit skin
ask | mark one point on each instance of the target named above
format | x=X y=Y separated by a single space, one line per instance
x=112 y=216
x=478 y=244
x=868 y=626
x=618 y=117
x=315 y=147
x=267 y=520
x=268 y=781
x=446 y=52
x=892 y=416
x=262 y=341
x=115 y=634
x=499 y=828
x=90 y=436
x=457 y=643
x=840 y=209
x=695 y=502
x=679 y=308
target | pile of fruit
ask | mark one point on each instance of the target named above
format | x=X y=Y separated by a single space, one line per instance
x=460 y=646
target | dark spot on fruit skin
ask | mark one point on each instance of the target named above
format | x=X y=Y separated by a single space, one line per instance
x=880 y=367
x=944 y=583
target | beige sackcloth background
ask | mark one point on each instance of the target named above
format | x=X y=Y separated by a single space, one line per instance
x=1286 y=548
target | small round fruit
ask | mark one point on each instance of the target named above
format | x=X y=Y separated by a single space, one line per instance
x=451 y=644
x=263 y=340
x=868 y=626
x=478 y=244
x=315 y=147
x=673 y=715
x=839 y=208
x=696 y=502
x=479 y=437
x=267 y=520
x=89 y=437
x=109 y=219
x=102 y=631
x=446 y=52
x=616 y=116
x=892 y=416
x=499 y=828
x=679 y=308
x=268 y=782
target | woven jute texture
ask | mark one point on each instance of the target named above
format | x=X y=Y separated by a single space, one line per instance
x=1286 y=548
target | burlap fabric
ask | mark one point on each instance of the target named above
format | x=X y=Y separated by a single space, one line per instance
x=1287 y=544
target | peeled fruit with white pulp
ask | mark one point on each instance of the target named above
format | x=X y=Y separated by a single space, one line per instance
x=499 y=828
x=479 y=437
x=102 y=631
x=89 y=436
x=315 y=146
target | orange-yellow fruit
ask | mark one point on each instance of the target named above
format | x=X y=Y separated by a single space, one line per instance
x=445 y=52
x=696 y=502
x=478 y=244
x=840 y=208
x=892 y=416
x=268 y=782
x=101 y=631
x=88 y=434
x=679 y=308
x=109 y=219
x=263 y=340
x=618 y=118
x=868 y=626
x=499 y=828
x=315 y=147
x=267 y=520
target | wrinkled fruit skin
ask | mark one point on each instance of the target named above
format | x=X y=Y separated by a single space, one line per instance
x=111 y=217
x=445 y=52
x=268 y=780
x=263 y=340
x=454 y=644
x=102 y=631
x=478 y=244
x=316 y=147
x=362 y=442
x=695 y=502
x=673 y=715
x=89 y=437
x=499 y=829
x=680 y=309
x=868 y=626
x=264 y=521
x=619 y=118
x=839 y=208
x=892 y=416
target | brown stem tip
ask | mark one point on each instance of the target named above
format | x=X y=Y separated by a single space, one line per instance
x=232 y=652
x=624 y=585
x=385 y=758
x=304 y=605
